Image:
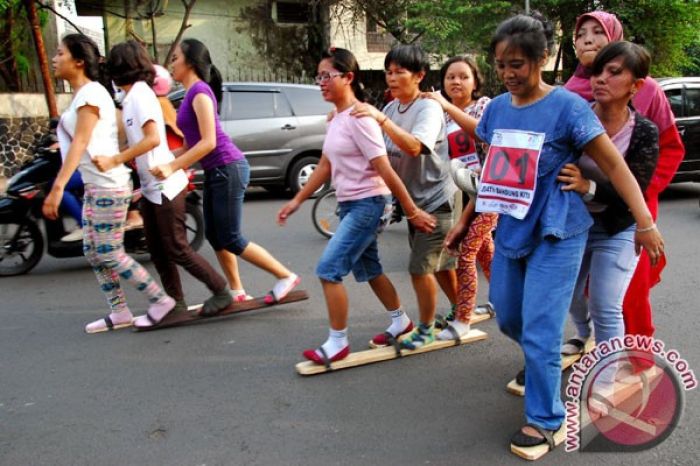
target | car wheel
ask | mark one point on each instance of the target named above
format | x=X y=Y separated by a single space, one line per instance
x=301 y=172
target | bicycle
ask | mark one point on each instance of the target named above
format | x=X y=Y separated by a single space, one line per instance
x=325 y=213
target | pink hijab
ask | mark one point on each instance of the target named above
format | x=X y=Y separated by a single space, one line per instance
x=650 y=101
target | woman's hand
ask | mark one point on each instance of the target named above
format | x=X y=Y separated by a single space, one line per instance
x=361 y=109
x=162 y=171
x=423 y=221
x=573 y=180
x=454 y=238
x=104 y=163
x=652 y=241
x=436 y=96
x=51 y=203
x=288 y=209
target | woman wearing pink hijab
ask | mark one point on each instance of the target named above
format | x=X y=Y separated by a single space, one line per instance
x=594 y=31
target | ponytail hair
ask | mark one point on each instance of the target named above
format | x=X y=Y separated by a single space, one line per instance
x=533 y=34
x=81 y=47
x=197 y=56
x=344 y=61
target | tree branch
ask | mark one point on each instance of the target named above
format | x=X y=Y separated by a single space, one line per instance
x=52 y=10
x=189 y=5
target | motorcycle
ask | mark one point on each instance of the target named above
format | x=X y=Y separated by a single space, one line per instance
x=21 y=238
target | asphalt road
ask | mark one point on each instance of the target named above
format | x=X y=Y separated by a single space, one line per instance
x=226 y=392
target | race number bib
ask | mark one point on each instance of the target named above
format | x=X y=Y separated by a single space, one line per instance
x=509 y=178
x=462 y=147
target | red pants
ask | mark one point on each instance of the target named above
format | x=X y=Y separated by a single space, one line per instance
x=477 y=245
x=636 y=308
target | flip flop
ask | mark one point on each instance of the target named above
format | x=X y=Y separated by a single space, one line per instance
x=521 y=439
x=324 y=360
x=109 y=325
x=270 y=298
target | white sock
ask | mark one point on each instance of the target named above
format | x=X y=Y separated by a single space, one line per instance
x=462 y=329
x=337 y=341
x=399 y=322
x=237 y=293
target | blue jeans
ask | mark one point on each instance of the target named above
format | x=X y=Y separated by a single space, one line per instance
x=353 y=246
x=532 y=296
x=224 y=189
x=71 y=204
x=608 y=265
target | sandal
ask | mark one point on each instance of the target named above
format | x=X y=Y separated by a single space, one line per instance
x=150 y=320
x=574 y=346
x=521 y=439
x=275 y=295
x=323 y=359
x=108 y=324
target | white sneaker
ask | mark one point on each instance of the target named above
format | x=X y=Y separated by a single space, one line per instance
x=464 y=177
x=75 y=235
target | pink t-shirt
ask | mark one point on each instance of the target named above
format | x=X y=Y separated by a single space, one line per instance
x=350 y=144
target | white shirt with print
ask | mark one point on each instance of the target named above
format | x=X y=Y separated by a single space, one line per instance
x=140 y=106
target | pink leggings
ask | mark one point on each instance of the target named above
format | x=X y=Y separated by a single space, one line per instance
x=477 y=245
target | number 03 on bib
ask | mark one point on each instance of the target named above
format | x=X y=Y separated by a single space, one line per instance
x=509 y=178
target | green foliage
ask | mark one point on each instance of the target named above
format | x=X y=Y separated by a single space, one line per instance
x=450 y=27
x=667 y=28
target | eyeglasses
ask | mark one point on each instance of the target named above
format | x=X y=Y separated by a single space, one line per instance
x=325 y=77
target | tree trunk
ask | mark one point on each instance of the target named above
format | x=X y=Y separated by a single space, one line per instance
x=153 y=35
x=33 y=17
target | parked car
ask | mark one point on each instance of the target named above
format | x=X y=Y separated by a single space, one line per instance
x=279 y=127
x=684 y=96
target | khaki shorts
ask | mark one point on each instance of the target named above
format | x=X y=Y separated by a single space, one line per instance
x=427 y=254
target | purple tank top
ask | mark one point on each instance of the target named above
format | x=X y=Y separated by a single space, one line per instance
x=225 y=151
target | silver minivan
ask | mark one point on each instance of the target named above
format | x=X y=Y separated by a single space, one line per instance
x=279 y=127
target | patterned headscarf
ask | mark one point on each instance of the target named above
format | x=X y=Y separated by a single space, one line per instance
x=580 y=81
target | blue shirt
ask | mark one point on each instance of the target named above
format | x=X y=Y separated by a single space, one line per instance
x=568 y=124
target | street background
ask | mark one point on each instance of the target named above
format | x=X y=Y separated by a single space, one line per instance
x=225 y=392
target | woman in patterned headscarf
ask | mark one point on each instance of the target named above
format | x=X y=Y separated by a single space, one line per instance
x=593 y=31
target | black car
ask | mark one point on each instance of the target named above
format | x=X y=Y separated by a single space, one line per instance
x=279 y=127
x=684 y=96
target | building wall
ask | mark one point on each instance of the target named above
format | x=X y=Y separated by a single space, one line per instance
x=214 y=22
x=23 y=121
x=349 y=34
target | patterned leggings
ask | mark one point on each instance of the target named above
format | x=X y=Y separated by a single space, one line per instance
x=104 y=213
x=477 y=245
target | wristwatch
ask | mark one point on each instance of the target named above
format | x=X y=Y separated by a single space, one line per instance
x=588 y=197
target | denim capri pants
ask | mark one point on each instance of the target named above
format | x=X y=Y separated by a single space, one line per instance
x=353 y=246
x=224 y=189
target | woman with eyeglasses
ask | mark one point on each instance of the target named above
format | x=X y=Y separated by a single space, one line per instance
x=354 y=158
x=414 y=133
x=226 y=171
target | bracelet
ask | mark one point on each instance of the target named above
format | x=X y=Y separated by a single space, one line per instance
x=647 y=229
x=382 y=124
x=415 y=214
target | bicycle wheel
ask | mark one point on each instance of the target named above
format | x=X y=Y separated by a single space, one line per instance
x=324 y=213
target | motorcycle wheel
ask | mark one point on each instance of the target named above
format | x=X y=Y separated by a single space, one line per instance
x=21 y=248
x=194 y=225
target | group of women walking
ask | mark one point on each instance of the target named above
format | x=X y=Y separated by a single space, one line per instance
x=597 y=162
x=88 y=136
x=588 y=219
